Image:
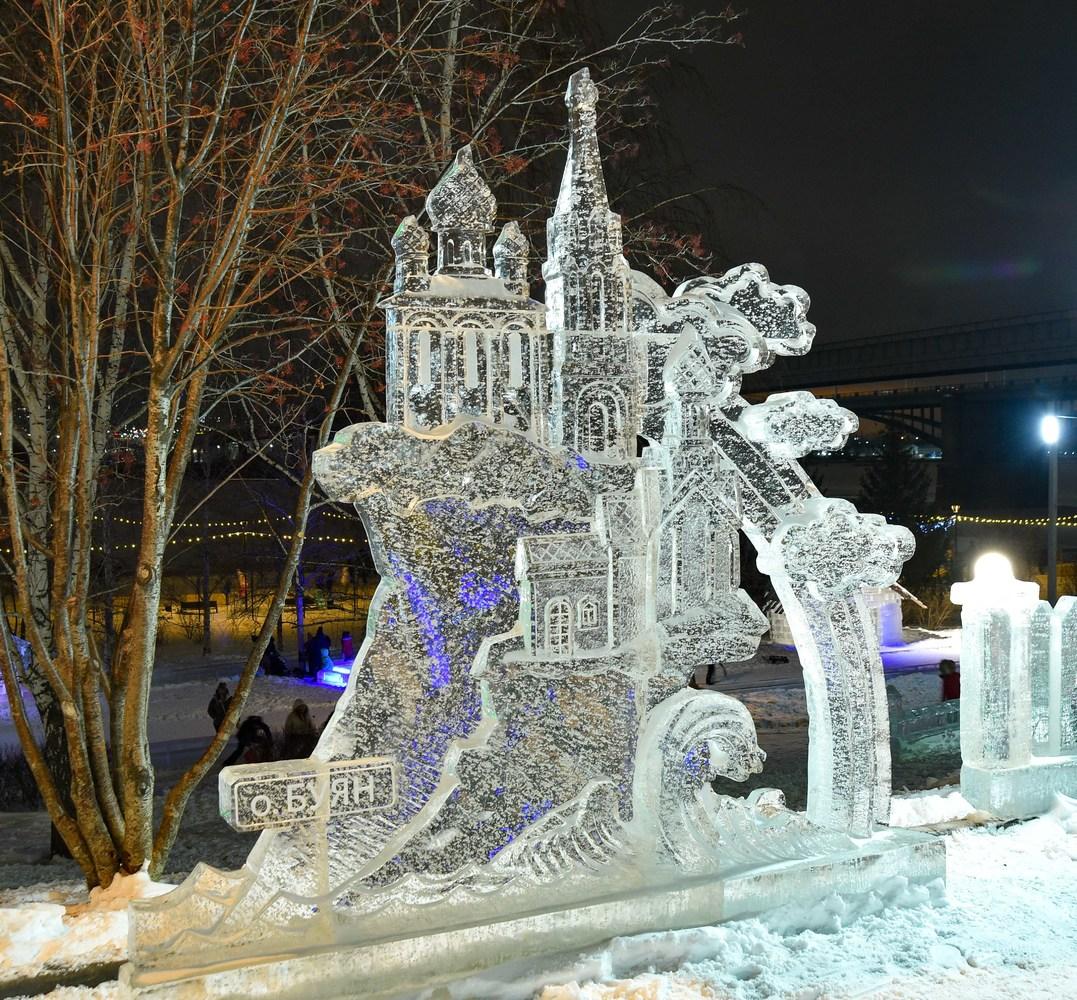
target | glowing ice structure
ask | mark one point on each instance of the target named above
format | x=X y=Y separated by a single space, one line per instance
x=547 y=589
x=1018 y=692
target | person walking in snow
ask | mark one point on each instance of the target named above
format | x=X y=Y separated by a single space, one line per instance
x=951 y=680
x=300 y=732
x=218 y=705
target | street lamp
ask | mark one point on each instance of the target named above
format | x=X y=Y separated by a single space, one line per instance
x=1051 y=433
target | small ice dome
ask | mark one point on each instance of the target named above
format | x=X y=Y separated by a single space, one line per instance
x=461 y=199
x=410 y=237
x=511 y=243
x=582 y=92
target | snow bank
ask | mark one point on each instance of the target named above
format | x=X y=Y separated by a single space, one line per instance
x=1006 y=927
x=38 y=936
x=931 y=808
x=642 y=988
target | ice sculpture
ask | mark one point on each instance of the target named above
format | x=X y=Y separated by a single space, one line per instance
x=554 y=505
x=1018 y=692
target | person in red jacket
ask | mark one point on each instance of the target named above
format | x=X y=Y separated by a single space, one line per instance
x=951 y=680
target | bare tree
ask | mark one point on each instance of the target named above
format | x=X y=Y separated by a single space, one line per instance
x=193 y=239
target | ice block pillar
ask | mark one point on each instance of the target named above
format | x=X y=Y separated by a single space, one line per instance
x=996 y=701
x=1062 y=683
x=1039 y=674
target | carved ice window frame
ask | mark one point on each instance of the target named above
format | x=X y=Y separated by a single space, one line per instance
x=425 y=371
x=587 y=612
x=558 y=631
x=471 y=359
x=516 y=359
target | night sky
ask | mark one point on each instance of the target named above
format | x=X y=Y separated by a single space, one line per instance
x=910 y=164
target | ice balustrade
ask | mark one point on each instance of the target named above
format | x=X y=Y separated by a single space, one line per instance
x=1018 y=691
x=519 y=764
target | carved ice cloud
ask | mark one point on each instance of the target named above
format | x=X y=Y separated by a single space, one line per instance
x=793 y=424
x=778 y=312
x=834 y=550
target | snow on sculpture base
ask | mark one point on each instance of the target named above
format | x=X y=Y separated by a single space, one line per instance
x=1017 y=792
x=404 y=965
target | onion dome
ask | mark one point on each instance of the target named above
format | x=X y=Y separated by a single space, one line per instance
x=511 y=244
x=410 y=238
x=461 y=199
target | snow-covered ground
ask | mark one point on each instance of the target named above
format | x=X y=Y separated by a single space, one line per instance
x=1004 y=926
x=182 y=691
x=898 y=942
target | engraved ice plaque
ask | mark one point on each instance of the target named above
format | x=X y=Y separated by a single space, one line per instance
x=266 y=796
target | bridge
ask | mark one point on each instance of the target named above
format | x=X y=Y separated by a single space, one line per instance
x=1018 y=344
x=976 y=390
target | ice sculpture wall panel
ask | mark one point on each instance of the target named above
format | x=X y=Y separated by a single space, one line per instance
x=1018 y=692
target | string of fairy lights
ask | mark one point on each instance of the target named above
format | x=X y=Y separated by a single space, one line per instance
x=928 y=522
x=945 y=522
x=117 y=519
x=262 y=528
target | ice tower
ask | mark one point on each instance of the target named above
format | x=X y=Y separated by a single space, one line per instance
x=587 y=279
x=462 y=342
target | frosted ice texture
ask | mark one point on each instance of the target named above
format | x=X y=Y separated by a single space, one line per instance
x=1062 y=684
x=793 y=424
x=547 y=592
x=1019 y=685
x=996 y=700
x=1039 y=675
x=1018 y=694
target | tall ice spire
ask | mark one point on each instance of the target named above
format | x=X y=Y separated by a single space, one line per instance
x=586 y=275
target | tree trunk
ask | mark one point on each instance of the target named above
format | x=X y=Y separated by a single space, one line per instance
x=300 y=624
x=207 y=642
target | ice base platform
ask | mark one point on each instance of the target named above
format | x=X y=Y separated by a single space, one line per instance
x=1017 y=792
x=400 y=966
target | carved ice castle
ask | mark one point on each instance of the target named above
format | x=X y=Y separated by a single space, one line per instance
x=547 y=589
x=581 y=375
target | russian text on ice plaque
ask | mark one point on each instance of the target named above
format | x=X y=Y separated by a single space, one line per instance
x=263 y=796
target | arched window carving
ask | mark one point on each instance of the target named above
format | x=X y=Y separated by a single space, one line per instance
x=596 y=436
x=596 y=288
x=424 y=358
x=516 y=359
x=471 y=359
x=572 y=293
x=599 y=419
x=559 y=626
x=587 y=612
